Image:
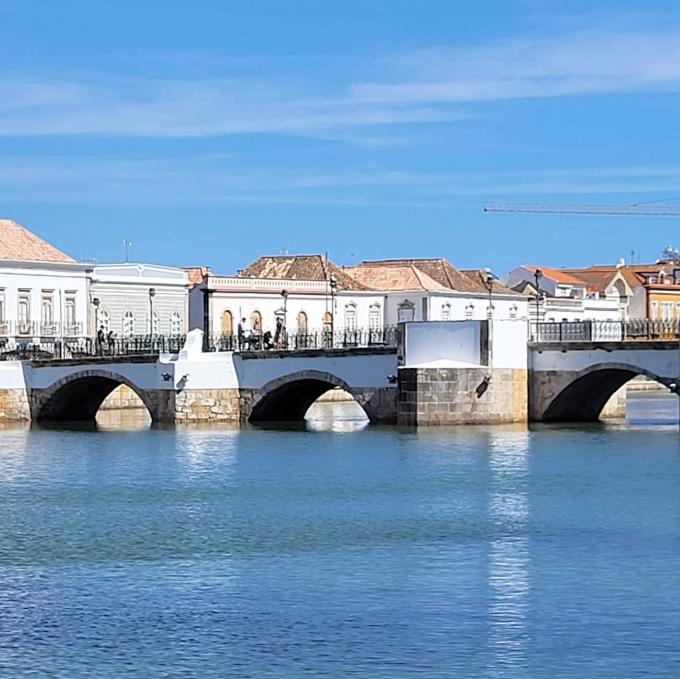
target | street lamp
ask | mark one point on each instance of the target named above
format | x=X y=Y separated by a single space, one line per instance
x=334 y=287
x=284 y=332
x=488 y=282
x=152 y=294
x=538 y=274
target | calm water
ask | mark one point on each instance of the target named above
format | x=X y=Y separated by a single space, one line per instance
x=343 y=551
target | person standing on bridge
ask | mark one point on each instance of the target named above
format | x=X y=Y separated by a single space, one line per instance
x=101 y=339
x=241 y=333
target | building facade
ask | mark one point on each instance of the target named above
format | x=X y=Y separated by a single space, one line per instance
x=43 y=292
x=310 y=295
x=139 y=299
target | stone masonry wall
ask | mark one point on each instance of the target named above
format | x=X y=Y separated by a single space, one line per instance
x=207 y=405
x=446 y=396
x=14 y=406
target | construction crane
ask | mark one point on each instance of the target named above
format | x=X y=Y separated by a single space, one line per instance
x=629 y=210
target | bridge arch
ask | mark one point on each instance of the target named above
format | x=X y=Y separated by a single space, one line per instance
x=584 y=394
x=288 y=398
x=78 y=397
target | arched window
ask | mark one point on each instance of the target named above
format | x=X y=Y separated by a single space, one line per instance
x=128 y=324
x=154 y=324
x=256 y=321
x=406 y=312
x=302 y=323
x=175 y=324
x=227 y=326
x=446 y=312
x=103 y=320
x=351 y=316
x=469 y=311
x=374 y=318
x=328 y=321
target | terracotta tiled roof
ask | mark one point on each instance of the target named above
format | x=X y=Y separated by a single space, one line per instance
x=19 y=244
x=595 y=280
x=396 y=278
x=301 y=267
x=196 y=274
x=557 y=275
x=632 y=273
x=478 y=276
x=438 y=269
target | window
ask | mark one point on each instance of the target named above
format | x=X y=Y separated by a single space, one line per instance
x=2 y=306
x=328 y=321
x=176 y=324
x=513 y=311
x=24 y=312
x=103 y=321
x=446 y=312
x=154 y=324
x=351 y=317
x=70 y=312
x=666 y=311
x=227 y=325
x=374 y=318
x=256 y=321
x=406 y=312
x=47 y=311
x=469 y=311
x=655 y=311
x=302 y=323
x=489 y=311
x=128 y=324
x=677 y=311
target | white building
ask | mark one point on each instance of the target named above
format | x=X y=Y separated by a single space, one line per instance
x=572 y=294
x=435 y=290
x=139 y=299
x=43 y=292
x=45 y=295
x=314 y=296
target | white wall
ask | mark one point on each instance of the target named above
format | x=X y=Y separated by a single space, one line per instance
x=440 y=344
x=509 y=344
x=122 y=288
x=42 y=280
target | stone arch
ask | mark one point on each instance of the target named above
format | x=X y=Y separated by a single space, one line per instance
x=77 y=397
x=288 y=398
x=586 y=392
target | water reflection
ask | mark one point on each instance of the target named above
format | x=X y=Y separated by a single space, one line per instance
x=509 y=551
x=338 y=417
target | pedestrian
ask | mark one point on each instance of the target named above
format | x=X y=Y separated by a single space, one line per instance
x=111 y=341
x=241 y=332
x=278 y=333
x=101 y=339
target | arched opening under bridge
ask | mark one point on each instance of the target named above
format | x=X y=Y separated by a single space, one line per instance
x=585 y=396
x=94 y=394
x=308 y=395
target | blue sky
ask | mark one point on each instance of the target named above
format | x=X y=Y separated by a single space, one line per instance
x=210 y=132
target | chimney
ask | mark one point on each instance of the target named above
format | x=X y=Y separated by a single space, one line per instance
x=620 y=263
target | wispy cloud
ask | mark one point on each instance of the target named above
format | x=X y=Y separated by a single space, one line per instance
x=585 y=62
x=221 y=179
x=436 y=85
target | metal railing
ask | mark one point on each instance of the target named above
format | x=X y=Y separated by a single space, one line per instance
x=298 y=341
x=604 y=331
x=23 y=349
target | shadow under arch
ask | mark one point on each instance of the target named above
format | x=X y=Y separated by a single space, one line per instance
x=583 y=399
x=288 y=398
x=78 y=397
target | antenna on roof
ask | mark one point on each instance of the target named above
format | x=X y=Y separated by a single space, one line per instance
x=284 y=251
x=127 y=244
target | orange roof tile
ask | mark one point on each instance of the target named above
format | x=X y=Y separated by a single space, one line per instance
x=20 y=245
x=556 y=275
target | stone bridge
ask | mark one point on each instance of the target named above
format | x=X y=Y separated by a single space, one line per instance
x=196 y=386
x=572 y=381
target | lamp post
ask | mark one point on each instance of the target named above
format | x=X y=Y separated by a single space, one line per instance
x=334 y=286
x=284 y=330
x=95 y=304
x=152 y=294
x=488 y=282
x=538 y=274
